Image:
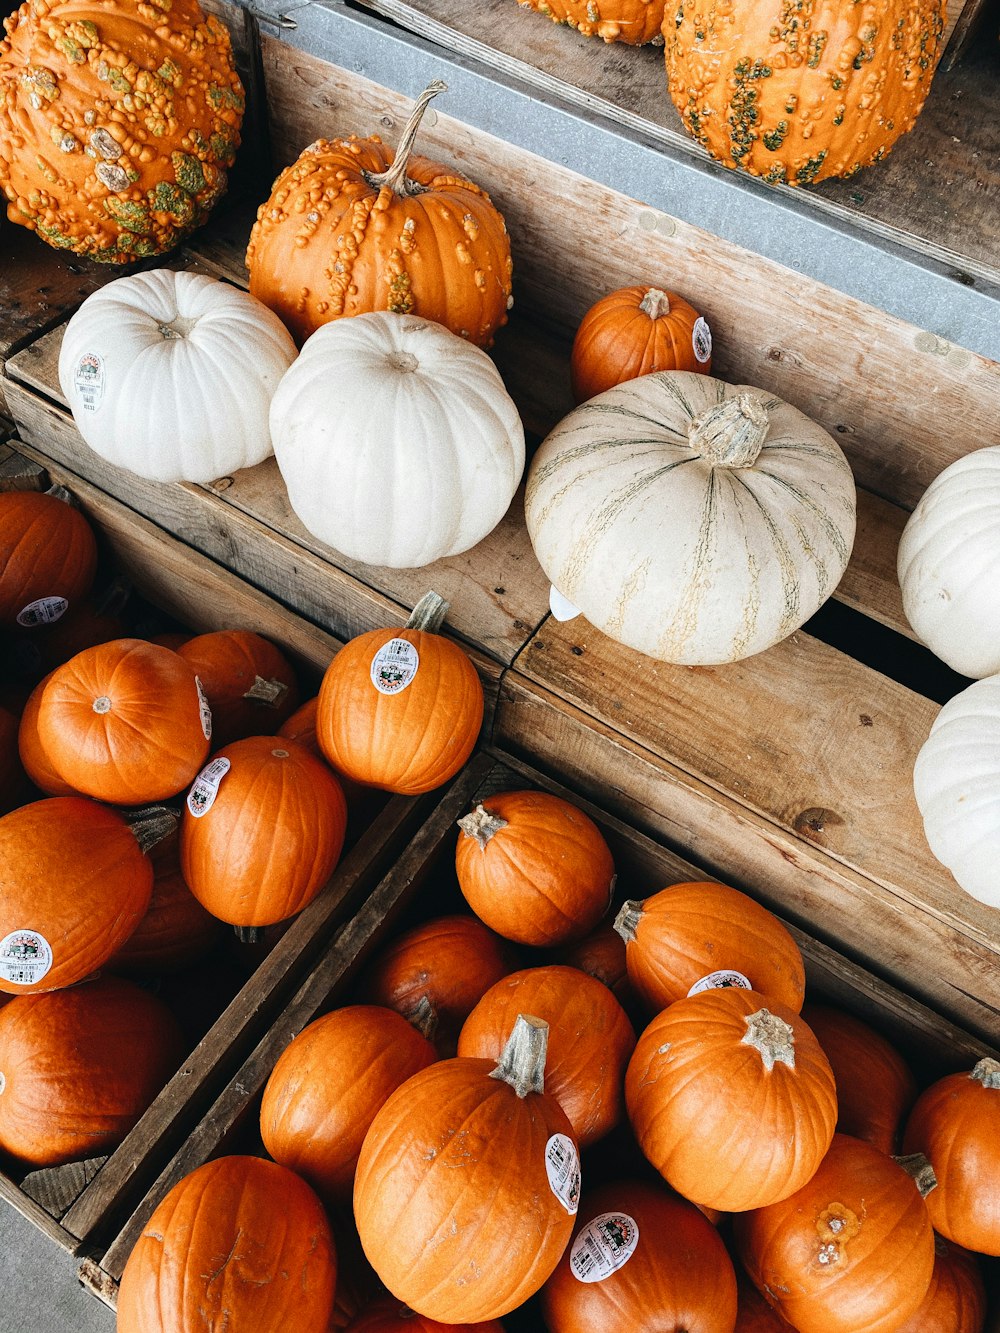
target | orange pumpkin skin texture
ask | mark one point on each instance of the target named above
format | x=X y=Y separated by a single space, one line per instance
x=271 y=836
x=629 y=21
x=535 y=868
x=79 y=1066
x=176 y=930
x=33 y=757
x=601 y=954
x=327 y=1087
x=956 y=1299
x=590 y=1041
x=796 y=92
x=956 y=1124
x=753 y=1314
x=723 y=1128
x=446 y=1223
x=689 y=931
x=408 y=742
x=678 y=1276
x=239 y=1244
x=249 y=683
x=72 y=872
x=635 y=331
x=122 y=722
x=47 y=548
x=875 y=1088
x=342 y=235
x=301 y=726
x=388 y=1316
x=450 y=962
x=852 y=1251
x=119 y=121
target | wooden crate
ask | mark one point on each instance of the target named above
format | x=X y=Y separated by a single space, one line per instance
x=73 y=1202
x=421 y=885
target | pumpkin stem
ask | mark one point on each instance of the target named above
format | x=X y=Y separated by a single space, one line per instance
x=655 y=303
x=627 y=920
x=987 y=1072
x=771 y=1037
x=151 y=825
x=249 y=934
x=423 y=1016
x=428 y=614
x=920 y=1171
x=395 y=177
x=730 y=434
x=522 y=1062
x=266 y=692
x=481 y=825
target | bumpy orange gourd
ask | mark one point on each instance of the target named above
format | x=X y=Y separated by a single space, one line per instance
x=851 y=1249
x=633 y=21
x=632 y=332
x=352 y=227
x=118 y=122
x=795 y=91
x=249 y=683
x=956 y=1299
x=48 y=553
x=241 y=1244
x=79 y=1066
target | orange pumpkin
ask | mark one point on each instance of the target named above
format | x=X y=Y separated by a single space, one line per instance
x=635 y=331
x=352 y=227
x=535 y=868
x=436 y=973
x=327 y=1087
x=124 y=722
x=388 y=1316
x=851 y=1249
x=79 y=1066
x=263 y=829
x=956 y=1124
x=875 y=1088
x=48 y=554
x=632 y=21
x=448 y=1225
x=33 y=757
x=119 y=121
x=240 y=1243
x=641 y=1258
x=176 y=930
x=249 y=683
x=590 y=1041
x=732 y=1101
x=301 y=726
x=956 y=1299
x=701 y=935
x=601 y=954
x=86 y=624
x=401 y=709
x=74 y=884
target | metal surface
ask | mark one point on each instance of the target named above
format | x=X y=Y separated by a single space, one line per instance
x=780 y=226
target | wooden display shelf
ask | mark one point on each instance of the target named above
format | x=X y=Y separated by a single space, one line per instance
x=422 y=885
x=71 y=1202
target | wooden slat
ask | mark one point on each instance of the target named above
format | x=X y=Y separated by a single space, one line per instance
x=36 y=1214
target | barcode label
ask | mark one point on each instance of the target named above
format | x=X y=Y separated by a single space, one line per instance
x=603 y=1246
x=394 y=666
x=725 y=979
x=43 y=611
x=562 y=1166
x=205 y=788
x=88 y=381
x=25 y=957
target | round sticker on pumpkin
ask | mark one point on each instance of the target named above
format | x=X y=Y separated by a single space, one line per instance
x=701 y=340
x=726 y=978
x=88 y=381
x=43 y=611
x=25 y=957
x=394 y=666
x=603 y=1246
x=562 y=1166
x=205 y=788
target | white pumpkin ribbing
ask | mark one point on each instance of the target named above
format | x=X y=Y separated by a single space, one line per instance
x=397 y=440
x=949 y=565
x=181 y=369
x=680 y=557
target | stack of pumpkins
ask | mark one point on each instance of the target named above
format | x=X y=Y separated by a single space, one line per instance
x=451 y=1103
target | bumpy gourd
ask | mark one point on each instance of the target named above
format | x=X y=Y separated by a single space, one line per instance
x=634 y=22
x=118 y=122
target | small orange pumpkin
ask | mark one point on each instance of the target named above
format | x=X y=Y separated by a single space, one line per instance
x=48 y=553
x=249 y=683
x=176 y=930
x=601 y=954
x=533 y=867
x=956 y=1299
x=635 y=331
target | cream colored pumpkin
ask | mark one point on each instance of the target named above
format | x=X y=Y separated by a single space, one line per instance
x=956 y=780
x=693 y=520
x=949 y=565
x=397 y=440
x=171 y=374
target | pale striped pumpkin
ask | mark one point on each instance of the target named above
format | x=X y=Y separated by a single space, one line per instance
x=696 y=521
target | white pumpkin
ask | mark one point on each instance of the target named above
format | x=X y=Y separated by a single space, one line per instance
x=397 y=440
x=956 y=780
x=696 y=521
x=171 y=374
x=949 y=565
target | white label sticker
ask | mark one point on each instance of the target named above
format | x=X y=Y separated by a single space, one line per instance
x=206 y=712
x=206 y=786
x=394 y=666
x=25 y=957
x=603 y=1246
x=724 y=979
x=562 y=1166
x=42 y=612
x=88 y=380
x=701 y=340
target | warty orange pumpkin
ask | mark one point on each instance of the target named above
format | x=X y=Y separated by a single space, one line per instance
x=632 y=21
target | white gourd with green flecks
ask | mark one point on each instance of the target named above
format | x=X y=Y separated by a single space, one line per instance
x=696 y=521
